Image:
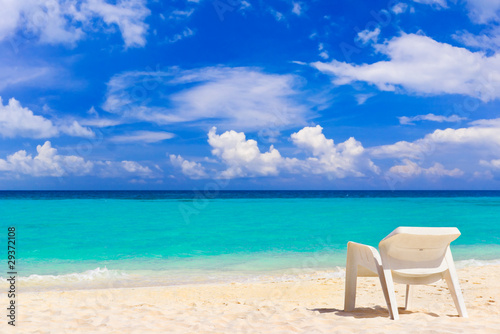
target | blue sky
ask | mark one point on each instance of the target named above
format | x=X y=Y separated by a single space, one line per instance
x=231 y=94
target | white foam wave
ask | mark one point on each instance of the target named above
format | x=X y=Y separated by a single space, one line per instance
x=99 y=277
x=104 y=278
x=476 y=263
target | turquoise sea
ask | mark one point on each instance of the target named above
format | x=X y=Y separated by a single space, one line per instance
x=68 y=240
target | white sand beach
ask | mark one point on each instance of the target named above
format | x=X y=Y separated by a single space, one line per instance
x=308 y=305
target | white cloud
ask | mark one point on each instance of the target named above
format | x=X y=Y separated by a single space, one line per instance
x=76 y=130
x=136 y=168
x=128 y=15
x=143 y=136
x=49 y=163
x=495 y=164
x=101 y=122
x=436 y=3
x=239 y=98
x=239 y=156
x=411 y=169
x=484 y=11
x=341 y=160
x=481 y=136
x=399 y=8
x=422 y=65
x=277 y=15
x=181 y=14
x=193 y=170
x=297 y=8
x=429 y=117
x=488 y=39
x=177 y=37
x=242 y=156
x=66 y=21
x=323 y=54
x=11 y=75
x=123 y=169
x=368 y=36
x=362 y=98
x=17 y=121
x=46 y=163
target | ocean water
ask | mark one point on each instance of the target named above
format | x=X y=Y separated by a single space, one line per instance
x=67 y=240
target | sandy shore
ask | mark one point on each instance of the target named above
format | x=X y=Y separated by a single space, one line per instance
x=311 y=305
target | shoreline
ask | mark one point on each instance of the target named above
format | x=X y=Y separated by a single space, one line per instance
x=310 y=305
x=104 y=278
x=99 y=278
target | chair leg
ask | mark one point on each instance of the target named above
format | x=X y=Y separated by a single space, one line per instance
x=456 y=293
x=351 y=274
x=388 y=289
x=409 y=295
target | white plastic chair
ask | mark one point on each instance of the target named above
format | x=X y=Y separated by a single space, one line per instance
x=409 y=255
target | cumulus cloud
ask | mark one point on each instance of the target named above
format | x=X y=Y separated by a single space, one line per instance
x=462 y=149
x=242 y=156
x=143 y=136
x=191 y=169
x=46 y=163
x=17 y=121
x=238 y=98
x=341 y=160
x=422 y=65
x=411 y=169
x=67 y=21
x=49 y=163
x=430 y=117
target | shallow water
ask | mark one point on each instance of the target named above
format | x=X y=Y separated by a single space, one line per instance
x=158 y=238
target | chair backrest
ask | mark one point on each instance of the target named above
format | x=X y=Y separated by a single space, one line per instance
x=417 y=247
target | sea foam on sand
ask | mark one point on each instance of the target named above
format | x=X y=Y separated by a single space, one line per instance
x=306 y=304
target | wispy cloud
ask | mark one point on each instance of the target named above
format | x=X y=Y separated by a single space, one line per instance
x=240 y=98
x=177 y=37
x=430 y=117
x=143 y=136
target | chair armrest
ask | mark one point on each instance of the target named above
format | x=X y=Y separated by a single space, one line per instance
x=365 y=258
